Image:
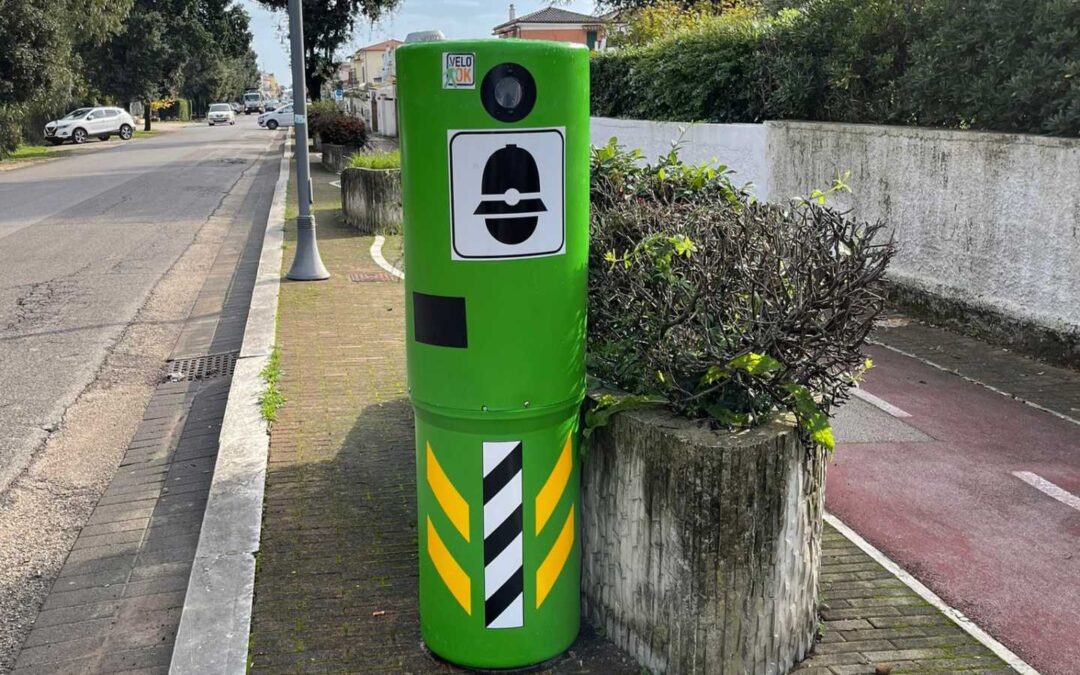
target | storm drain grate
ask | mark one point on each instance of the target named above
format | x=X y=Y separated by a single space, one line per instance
x=361 y=277
x=202 y=367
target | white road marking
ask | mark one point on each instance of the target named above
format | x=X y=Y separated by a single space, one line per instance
x=1046 y=487
x=1003 y=652
x=336 y=183
x=879 y=402
x=992 y=388
x=377 y=256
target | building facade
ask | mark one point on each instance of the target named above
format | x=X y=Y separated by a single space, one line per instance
x=554 y=23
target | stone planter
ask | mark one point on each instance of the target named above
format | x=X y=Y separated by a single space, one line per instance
x=336 y=157
x=371 y=200
x=700 y=549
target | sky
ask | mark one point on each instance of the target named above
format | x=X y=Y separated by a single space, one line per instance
x=455 y=18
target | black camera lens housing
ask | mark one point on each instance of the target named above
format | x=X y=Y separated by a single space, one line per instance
x=508 y=92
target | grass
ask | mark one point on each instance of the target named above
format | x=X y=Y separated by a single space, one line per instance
x=376 y=160
x=271 y=400
x=24 y=152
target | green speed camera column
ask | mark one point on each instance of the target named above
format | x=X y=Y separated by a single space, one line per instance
x=494 y=142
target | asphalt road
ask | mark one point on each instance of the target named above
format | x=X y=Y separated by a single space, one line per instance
x=975 y=494
x=83 y=241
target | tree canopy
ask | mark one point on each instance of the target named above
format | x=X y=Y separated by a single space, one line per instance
x=58 y=54
x=328 y=25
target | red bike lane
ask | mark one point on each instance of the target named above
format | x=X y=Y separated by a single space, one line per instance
x=949 y=509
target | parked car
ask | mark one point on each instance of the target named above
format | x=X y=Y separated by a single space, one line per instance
x=220 y=113
x=236 y=107
x=79 y=125
x=282 y=117
x=272 y=105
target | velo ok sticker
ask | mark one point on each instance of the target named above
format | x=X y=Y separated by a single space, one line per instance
x=507 y=194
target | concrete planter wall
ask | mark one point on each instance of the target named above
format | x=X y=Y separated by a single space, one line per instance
x=701 y=549
x=371 y=200
x=336 y=157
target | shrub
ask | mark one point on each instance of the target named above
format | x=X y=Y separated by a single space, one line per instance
x=343 y=130
x=318 y=111
x=1006 y=65
x=1009 y=65
x=726 y=308
x=376 y=160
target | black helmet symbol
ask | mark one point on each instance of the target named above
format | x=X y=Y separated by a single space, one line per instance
x=509 y=175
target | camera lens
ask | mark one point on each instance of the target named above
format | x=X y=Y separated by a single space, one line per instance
x=508 y=92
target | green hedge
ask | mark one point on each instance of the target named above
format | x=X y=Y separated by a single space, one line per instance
x=1005 y=65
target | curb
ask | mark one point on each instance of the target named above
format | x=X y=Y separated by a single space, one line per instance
x=216 y=619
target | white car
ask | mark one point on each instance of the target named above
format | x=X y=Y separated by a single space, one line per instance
x=220 y=113
x=79 y=125
x=282 y=117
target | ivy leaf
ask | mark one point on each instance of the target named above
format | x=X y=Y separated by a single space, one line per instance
x=755 y=364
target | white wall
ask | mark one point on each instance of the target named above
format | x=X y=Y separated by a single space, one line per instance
x=992 y=220
x=989 y=219
x=739 y=146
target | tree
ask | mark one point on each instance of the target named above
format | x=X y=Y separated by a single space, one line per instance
x=144 y=60
x=197 y=49
x=713 y=6
x=328 y=24
x=39 y=67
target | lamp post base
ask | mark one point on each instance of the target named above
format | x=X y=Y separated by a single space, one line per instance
x=307 y=265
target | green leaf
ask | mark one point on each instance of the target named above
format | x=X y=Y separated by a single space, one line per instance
x=755 y=364
x=715 y=373
x=811 y=419
x=608 y=405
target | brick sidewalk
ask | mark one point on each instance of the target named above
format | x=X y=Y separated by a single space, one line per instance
x=336 y=585
x=873 y=623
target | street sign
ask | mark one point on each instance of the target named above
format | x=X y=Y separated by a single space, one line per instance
x=339 y=94
x=507 y=194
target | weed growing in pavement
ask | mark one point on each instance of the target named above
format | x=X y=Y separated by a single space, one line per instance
x=271 y=399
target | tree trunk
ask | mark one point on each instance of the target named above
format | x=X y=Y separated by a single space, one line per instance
x=146 y=115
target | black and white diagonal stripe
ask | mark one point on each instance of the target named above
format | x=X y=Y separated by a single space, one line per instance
x=504 y=602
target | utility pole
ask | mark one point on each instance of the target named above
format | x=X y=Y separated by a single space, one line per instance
x=307 y=265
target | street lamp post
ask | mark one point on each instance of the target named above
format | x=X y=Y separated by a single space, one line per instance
x=307 y=265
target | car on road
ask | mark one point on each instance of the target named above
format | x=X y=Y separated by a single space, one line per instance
x=272 y=105
x=236 y=107
x=79 y=125
x=282 y=117
x=220 y=113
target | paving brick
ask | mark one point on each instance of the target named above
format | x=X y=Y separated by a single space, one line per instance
x=898 y=621
x=76 y=614
x=861 y=647
x=848 y=624
x=906 y=654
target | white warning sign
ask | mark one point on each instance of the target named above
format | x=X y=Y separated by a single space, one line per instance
x=506 y=194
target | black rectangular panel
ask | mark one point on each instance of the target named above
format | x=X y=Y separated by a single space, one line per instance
x=439 y=320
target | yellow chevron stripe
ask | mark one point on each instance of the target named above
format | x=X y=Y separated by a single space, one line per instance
x=451 y=501
x=452 y=575
x=553 y=564
x=548 y=497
